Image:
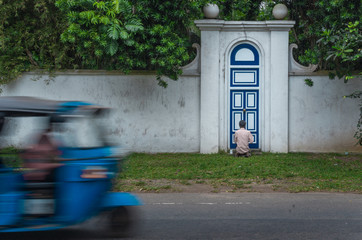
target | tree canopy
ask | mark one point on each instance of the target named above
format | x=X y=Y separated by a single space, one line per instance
x=328 y=33
x=89 y=34
x=30 y=38
x=158 y=34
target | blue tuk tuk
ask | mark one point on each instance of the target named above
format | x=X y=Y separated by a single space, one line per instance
x=82 y=179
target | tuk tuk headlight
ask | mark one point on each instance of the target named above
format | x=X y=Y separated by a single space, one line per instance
x=95 y=172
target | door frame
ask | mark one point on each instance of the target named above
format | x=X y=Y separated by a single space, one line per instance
x=228 y=89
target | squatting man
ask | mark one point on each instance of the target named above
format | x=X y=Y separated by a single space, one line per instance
x=242 y=139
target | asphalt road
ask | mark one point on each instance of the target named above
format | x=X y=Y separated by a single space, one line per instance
x=252 y=216
x=272 y=216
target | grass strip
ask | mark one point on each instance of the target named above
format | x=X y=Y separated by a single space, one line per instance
x=293 y=172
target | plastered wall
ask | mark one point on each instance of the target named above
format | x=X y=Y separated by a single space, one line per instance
x=320 y=119
x=145 y=116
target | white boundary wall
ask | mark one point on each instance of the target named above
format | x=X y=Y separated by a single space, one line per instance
x=146 y=117
x=320 y=119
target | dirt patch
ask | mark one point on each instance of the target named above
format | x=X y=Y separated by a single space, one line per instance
x=196 y=186
x=350 y=157
x=222 y=186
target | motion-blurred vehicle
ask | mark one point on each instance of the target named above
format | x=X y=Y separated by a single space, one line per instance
x=82 y=176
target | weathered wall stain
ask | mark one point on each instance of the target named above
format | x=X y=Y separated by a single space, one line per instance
x=181 y=102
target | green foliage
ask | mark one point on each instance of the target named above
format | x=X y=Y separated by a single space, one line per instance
x=10 y=157
x=237 y=10
x=242 y=10
x=344 y=49
x=29 y=37
x=165 y=45
x=327 y=33
x=309 y=82
x=100 y=33
x=157 y=35
x=89 y=34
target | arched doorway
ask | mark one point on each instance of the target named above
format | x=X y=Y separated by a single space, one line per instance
x=244 y=87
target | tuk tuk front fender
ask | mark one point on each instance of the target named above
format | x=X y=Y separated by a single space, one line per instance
x=117 y=199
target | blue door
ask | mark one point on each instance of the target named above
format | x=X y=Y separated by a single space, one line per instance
x=244 y=91
x=244 y=106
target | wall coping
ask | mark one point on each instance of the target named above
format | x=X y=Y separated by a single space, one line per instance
x=89 y=72
x=149 y=73
x=317 y=73
x=107 y=73
x=221 y=25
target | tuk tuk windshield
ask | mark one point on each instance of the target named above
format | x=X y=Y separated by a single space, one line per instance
x=79 y=132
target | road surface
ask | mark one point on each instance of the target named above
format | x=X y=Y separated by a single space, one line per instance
x=271 y=216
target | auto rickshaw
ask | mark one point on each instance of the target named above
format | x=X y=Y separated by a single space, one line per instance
x=81 y=182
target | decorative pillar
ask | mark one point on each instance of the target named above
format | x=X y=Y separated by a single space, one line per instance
x=209 y=96
x=279 y=85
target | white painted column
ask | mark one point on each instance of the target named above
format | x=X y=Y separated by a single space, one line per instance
x=209 y=96
x=279 y=87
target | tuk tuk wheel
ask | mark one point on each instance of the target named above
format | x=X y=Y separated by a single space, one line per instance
x=122 y=221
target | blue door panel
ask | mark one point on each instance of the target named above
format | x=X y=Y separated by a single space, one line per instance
x=249 y=112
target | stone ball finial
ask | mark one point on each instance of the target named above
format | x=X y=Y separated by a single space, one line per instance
x=211 y=10
x=280 y=11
